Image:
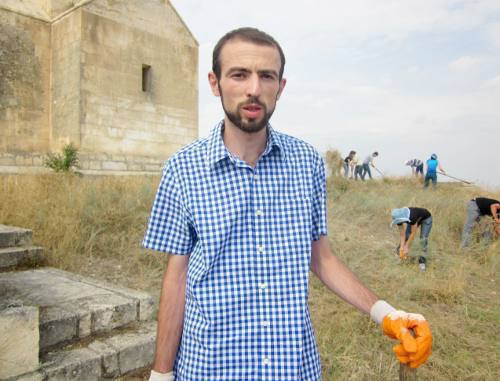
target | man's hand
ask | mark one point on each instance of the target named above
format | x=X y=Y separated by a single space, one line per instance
x=402 y=254
x=414 y=334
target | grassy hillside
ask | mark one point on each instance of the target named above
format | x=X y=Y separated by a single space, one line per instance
x=94 y=226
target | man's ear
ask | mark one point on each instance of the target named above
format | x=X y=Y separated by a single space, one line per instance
x=282 y=86
x=214 y=84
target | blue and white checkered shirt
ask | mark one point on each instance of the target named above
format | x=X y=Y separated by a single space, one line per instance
x=249 y=233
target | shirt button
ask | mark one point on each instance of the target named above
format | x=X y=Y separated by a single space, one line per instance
x=266 y=361
x=259 y=212
x=262 y=286
x=260 y=249
x=266 y=323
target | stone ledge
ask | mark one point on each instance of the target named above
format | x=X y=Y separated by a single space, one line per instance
x=145 y=301
x=11 y=257
x=106 y=357
x=11 y=236
x=73 y=307
x=19 y=340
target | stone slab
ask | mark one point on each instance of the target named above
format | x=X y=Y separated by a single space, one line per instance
x=20 y=256
x=108 y=357
x=71 y=307
x=18 y=340
x=13 y=236
x=144 y=301
x=77 y=364
x=135 y=349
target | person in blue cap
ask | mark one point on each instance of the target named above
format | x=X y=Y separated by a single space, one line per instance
x=413 y=217
x=432 y=166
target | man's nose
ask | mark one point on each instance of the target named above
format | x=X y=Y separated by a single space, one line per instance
x=254 y=86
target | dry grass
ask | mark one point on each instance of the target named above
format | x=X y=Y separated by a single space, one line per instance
x=95 y=225
x=91 y=225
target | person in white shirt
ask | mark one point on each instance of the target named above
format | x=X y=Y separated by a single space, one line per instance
x=367 y=163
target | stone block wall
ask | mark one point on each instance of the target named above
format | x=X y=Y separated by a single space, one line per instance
x=24 y=87
x=136 y=129
x=66 y=46
x=81 y=81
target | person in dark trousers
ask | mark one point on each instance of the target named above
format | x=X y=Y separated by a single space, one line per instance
x=432 y=165
x=477 y=208
x=413 y=218
x=417 y=167
x=366 y=165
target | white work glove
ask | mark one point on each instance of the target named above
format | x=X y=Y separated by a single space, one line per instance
x=155 y=376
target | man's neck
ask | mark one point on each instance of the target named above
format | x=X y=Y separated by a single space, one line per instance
x=246 y=146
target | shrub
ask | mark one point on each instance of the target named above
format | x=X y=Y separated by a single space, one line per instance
x=64 y=162
x=333 y=161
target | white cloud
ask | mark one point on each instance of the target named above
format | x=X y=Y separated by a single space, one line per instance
x=492 y=82
x=465 y=63
x=493 y=32
x=335 y=20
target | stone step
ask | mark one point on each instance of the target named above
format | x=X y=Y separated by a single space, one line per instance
x=19 y=339
x=13 y=236
x=73 y=307
x=105 y=357
x=11 y=257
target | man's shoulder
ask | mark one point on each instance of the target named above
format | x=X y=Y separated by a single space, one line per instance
x=294 y=146
x=190 y=155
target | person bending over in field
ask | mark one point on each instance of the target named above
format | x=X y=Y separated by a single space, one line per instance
x=413 y=218
x=477 y=208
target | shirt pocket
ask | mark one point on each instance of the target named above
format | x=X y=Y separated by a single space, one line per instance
x=291 y=232
x=216 y=221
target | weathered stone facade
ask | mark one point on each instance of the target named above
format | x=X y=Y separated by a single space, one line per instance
x=118 y=79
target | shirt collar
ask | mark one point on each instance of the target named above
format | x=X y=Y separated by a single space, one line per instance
x=217 y=151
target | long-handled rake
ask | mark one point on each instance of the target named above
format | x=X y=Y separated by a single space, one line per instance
x=379 y=171
x=456 y=178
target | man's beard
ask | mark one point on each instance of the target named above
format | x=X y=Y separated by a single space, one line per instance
x=250 y=126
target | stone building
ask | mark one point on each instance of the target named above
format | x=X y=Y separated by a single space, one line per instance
x=117 y=78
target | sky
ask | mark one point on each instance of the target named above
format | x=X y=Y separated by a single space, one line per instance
x=404 y=78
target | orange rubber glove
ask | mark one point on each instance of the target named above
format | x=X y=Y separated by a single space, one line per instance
x=414 y=334
x=402 y=254
x=412 y=331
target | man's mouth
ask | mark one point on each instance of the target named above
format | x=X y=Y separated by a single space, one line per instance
x=252 y=111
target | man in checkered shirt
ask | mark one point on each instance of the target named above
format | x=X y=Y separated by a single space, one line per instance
x=243 y=215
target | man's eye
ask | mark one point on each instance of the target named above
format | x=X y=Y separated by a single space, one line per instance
x=267 y=76
x=238 y=75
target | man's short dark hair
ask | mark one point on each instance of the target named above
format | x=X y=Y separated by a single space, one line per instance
x=250 y=35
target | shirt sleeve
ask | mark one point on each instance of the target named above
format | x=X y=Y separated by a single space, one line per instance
x=319 y=226
x=169 y=229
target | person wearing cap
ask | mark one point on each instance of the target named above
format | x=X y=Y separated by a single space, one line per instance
x=366 y=165
x=477 y=208
x=432 y=165
x=417 y=166
x=413 y=217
